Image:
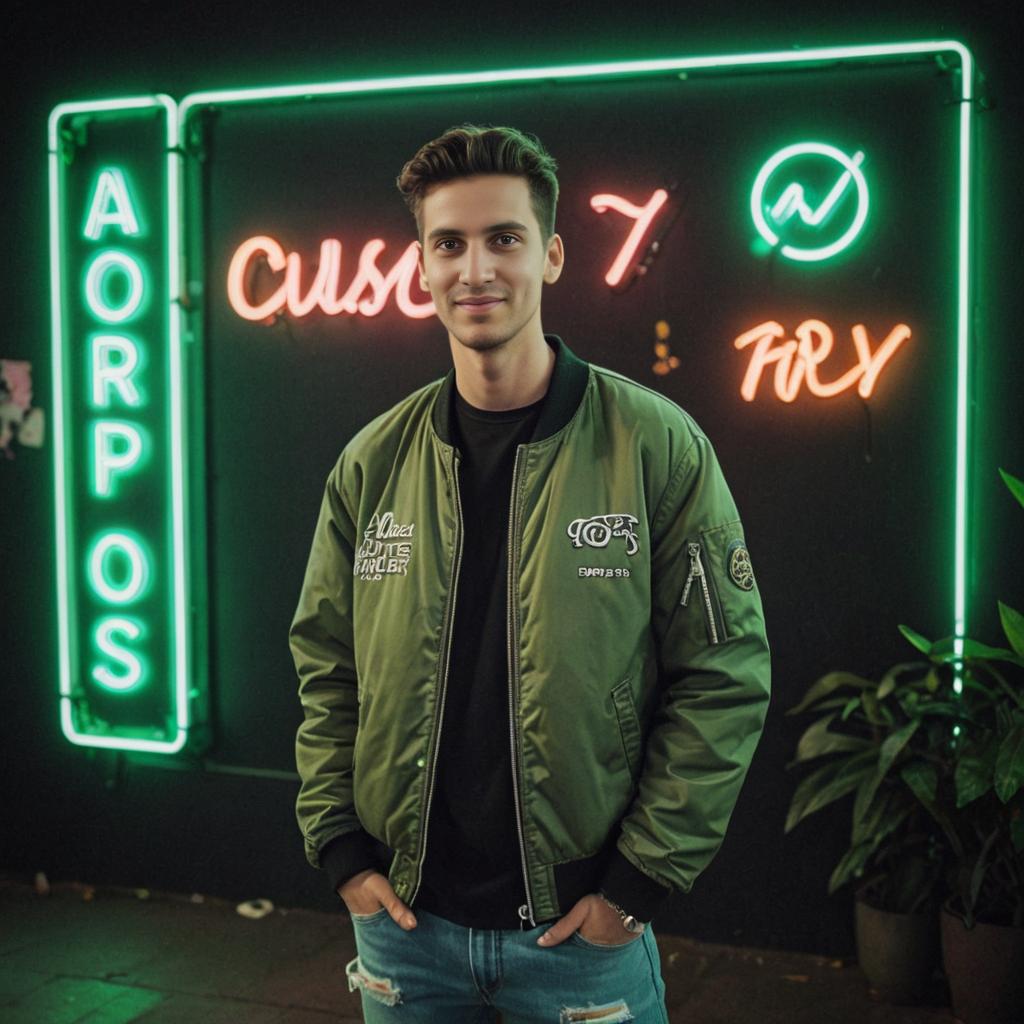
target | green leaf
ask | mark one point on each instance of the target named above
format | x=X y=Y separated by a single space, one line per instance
x=828 y=784
x=1009 y=770
x=889 y=752
x=974 y=770
x=826 y=685
x=883 y=815
x=1016 y=486
x=892 y=678
x=944 y=651
x=981 y=867
x=923 y=645
x=923 y=780
x=1013 y=627
x=851 y=865
x=819 y=740
x=849 y=707
x=874 y=716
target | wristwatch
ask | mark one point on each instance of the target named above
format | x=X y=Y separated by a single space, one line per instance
x=629 y=922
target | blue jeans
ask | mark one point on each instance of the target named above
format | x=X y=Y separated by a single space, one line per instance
x=442 y=972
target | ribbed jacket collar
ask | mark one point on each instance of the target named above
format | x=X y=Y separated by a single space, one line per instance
x=565 y=392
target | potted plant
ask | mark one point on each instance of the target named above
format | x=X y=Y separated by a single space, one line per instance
x=977 y=799
x=876 y=739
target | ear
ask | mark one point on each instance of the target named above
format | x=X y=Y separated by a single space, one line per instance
x=554 y=259
x=420 y=268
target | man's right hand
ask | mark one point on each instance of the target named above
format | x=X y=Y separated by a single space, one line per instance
x=368 y=891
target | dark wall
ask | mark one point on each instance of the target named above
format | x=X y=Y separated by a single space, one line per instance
x=227 y=826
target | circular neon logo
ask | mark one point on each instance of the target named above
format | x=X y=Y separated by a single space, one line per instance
x=810 y=200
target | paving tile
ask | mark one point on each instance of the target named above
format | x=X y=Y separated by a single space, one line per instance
x=320 y=1017
x=190 y=1009
x=17 y=983
x=62 y=1001
x=126 y=1008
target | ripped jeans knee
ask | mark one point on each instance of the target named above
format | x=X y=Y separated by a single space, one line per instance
x=381 y=989
x=608 y=1013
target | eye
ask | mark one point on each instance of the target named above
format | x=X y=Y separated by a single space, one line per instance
x=506 y=240
x=444 y=244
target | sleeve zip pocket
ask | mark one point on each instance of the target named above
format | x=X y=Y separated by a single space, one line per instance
x=707 y=593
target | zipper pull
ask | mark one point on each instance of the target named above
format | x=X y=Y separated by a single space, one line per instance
x=524 y=913
x=696 y=569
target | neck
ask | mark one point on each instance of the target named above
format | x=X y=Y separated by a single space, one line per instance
x=506 y=377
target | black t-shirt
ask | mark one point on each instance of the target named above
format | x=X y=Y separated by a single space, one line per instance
x=472 y=873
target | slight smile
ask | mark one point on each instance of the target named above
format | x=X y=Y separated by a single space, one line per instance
x=481 y=305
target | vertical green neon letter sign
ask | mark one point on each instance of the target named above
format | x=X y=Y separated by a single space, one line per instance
x=128 y=626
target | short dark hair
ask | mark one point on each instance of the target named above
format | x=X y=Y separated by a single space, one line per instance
x=470 y=149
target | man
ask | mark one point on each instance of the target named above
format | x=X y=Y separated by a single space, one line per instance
x=530 y=647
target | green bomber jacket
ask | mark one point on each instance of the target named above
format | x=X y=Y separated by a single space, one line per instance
x=639 y=672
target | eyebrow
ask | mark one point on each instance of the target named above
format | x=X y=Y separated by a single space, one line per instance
x=508 y=225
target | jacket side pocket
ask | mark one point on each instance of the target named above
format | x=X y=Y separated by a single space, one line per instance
x=731 y=580
x=629 y=725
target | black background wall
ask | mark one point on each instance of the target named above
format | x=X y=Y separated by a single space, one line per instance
x=227 y=827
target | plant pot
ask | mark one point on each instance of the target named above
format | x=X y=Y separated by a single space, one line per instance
x=898 y=953
x=985 y=968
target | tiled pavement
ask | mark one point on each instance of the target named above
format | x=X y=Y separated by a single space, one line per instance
x=107 y=956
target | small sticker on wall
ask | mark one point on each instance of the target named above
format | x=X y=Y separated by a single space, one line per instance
x=18 y=420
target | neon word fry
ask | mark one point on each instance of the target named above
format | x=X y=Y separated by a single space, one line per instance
x=797 y=359
x=323 y=290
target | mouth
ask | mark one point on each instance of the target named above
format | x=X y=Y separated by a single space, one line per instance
x=482 y=305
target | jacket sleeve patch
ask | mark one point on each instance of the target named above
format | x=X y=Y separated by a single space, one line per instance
x=741 y=572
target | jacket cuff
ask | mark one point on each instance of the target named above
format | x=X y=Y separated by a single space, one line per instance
x=638 y=894
x=347 y=855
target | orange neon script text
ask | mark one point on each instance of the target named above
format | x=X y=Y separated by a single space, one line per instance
x=797 y=359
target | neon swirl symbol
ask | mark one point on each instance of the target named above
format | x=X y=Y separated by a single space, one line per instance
x=792 y=202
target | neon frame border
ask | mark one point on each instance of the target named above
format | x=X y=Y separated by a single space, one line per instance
x=182 y=624
x=776 y=58
x=601 y=70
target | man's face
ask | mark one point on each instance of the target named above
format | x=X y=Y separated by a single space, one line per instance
x=483 y=259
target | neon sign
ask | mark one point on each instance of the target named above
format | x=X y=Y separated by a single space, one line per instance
x=126 y=630
x=797 y=360
x=120 y=422
x=643 y=217
x=791 y=210
x=322 y=293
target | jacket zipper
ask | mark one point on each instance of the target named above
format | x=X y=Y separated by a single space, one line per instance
x=697 y=572
x=446 y=631
x=525 y=911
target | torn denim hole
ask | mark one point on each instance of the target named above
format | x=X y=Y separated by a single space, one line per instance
x=381 y=989
x=609 y=1013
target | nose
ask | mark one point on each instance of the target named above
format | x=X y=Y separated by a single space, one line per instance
x=477 y=265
